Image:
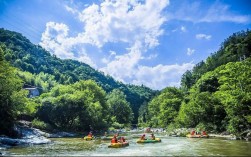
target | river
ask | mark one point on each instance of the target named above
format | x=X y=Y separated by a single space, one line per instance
x=169 y=146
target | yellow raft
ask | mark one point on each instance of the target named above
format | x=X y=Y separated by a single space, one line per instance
x=88 y=138
x=149 y=140
x=118 y=145
x=197 y=136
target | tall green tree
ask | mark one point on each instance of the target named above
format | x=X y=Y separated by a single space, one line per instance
x=119 y=108
x=10 y=90
x=164 y=108
x=234 y=94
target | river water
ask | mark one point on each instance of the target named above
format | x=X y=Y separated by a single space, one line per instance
x=169 y=146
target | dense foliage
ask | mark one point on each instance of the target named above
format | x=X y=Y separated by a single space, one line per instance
x=75 y=107
x=220 y=100
x=164 y=107
x=119 y=108
x=13 y=100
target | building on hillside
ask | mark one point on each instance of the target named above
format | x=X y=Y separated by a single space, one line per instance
x=32 y=92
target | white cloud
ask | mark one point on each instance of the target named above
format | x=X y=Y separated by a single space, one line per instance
x=124 y=21
x=180 y=29
x=220 y=13
x=55 y=39
x=52 y=38
x=112 y=53
x=85 y=59
x=190 y=51
x=69 y=9
x=124 y=67
x=138 y=24
x=183 y=29
x=203 y=36
x=107 y=59
x=217 y=12
x=152 y=56
x=112 y=21
x=160 y=76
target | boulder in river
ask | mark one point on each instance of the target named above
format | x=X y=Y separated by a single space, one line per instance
x=246 y=135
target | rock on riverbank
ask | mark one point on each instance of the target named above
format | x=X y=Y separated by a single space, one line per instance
x=30 y=136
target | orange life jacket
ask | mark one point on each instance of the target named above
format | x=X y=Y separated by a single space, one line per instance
x=114 y=140
x=204 y=133
x=192 y=133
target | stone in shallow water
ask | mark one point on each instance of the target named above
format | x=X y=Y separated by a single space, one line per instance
x=15 y=142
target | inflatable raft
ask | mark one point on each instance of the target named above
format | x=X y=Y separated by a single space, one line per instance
x=118 y=145
x=196 y=136
x=149 y=140
x=87 y=138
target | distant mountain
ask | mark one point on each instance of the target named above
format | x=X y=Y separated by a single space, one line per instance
x=21 y=53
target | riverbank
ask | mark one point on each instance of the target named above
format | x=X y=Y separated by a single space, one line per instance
x=30 y=136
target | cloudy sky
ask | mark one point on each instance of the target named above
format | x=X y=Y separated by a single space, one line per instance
x=150 y=42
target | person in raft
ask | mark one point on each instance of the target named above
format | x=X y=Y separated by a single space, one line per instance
x=152 y=136
x=90 y=134
x=114 y=139
x=117 y=135
x=122 y=139
x=204 y=133
x=192 y=132
x=143 y=137
x=105 y=134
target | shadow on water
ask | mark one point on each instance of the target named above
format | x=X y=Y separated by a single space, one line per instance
x=170 y=146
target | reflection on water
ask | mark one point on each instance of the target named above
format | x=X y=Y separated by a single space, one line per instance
x=170 y=146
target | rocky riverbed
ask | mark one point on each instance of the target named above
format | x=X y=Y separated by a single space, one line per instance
x=30 y=136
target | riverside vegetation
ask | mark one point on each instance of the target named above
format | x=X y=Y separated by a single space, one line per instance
x=215 y=95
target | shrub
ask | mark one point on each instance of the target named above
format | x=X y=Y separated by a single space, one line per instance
x=36 y=123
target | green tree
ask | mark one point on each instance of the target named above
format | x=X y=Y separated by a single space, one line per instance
x=164 y=108
x=235 y=93
x=10 y=85
x=75 y=107
x=119 y=108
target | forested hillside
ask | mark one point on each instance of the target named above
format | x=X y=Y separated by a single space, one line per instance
x=215 y=95
x=41 y=69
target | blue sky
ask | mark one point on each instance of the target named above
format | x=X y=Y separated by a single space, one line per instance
x=146 y=42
